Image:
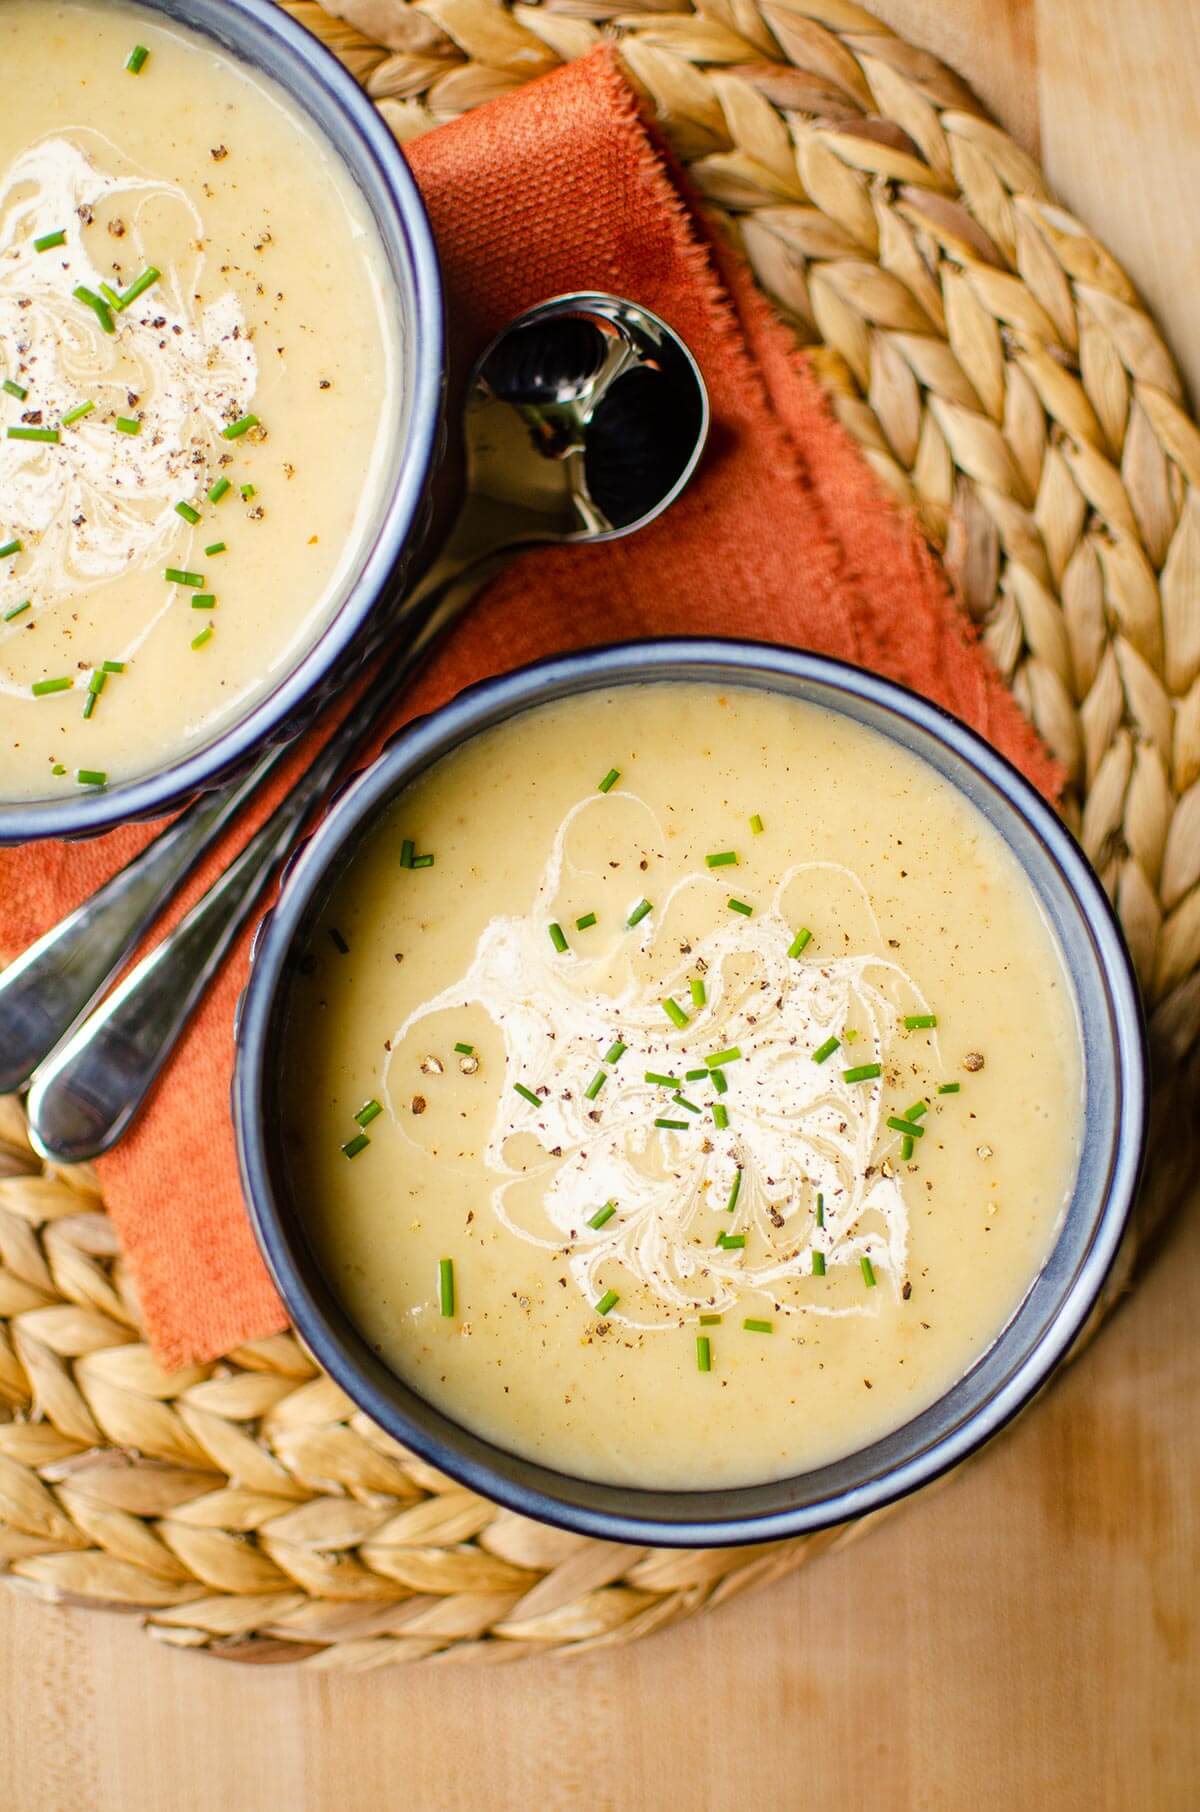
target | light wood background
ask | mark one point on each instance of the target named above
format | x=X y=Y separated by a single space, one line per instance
x=1027 y=1637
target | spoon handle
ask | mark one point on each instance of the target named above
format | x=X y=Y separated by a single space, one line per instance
x=53 y=983
x=86 y=1093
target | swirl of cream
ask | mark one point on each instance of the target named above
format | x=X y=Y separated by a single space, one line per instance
x=99 y=502
x=796 y=1128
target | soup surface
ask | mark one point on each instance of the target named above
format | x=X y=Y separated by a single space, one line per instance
x=199 y=380
x=704 y=1107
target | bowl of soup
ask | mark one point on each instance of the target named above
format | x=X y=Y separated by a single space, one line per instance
x=690 y=1091
x=221 y=369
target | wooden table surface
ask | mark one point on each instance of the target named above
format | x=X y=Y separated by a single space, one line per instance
x=1026 y=1637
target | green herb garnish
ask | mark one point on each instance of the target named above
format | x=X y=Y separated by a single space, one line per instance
x=602 y=1216
x=528 y=1093
x=48 y=435
x=217 y=491
x=868 y=1271
x=125 y=424
x=615 y=1052
x=818 y=1263
x=682 y=1101
x=138 y=286
x=558 y=937
x=465 y=1050
x=639 y=912
x=908 y=1127
x=370 y=1110
x=91 y=776
x=610 y=780
x=949 y=1088
x=12 y=388
x=672 y=1125
x=10 y=547
x=206 y=635
x=608 y=1301
x=97 y=304
x=798 y=943
x=235 y=430
x=919 y=1022
x=739 y=906
x=719 y=1057
x=353 y=1146
x=48 y=241
x=187 y=512
x=756 y=825
x=42 y=687
x=719 y=1080
x=731 y=1204
x=864 y=1072
x=215 y=547
x=731 y=1242
x=425 y=861
x=446 y=1285
x=753 y=1326
x=204 y=600
x=77 y=413
x=175 y=575
x=825 y=1050
x=586 y=922
x=660 y=1081
x=703 y=1353
x=711 y=1321
x=136 y=60
x=338 y=941
x=17 y=610
x=596 y=1084
x=674 y=1012
x=724 y=858
x=720 y=1114
x=699 y=994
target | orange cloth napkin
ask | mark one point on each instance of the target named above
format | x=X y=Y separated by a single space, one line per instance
x=784 y=535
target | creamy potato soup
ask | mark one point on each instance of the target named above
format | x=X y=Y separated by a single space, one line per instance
x=683 y=1088
x=199 y=390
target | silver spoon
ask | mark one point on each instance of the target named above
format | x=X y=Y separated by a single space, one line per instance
x=584 y=420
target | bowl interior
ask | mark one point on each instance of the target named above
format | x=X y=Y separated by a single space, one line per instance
x=260 y=34
x=1056 y=1304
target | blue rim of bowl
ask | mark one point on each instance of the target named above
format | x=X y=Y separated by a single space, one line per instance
x=721 y=1516
x=272 y=30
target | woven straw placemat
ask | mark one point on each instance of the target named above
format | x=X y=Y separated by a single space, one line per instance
x=1004 y=381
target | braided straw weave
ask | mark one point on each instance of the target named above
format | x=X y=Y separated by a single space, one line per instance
x=995 y=365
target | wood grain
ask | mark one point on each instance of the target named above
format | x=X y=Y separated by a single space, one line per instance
x=1025 y=1637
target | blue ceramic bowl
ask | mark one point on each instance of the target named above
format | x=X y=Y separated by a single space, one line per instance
x=261 y=34
x=1060 y=1299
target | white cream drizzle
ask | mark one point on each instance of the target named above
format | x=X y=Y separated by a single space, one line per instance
x=795 y=1127
x=101 y=502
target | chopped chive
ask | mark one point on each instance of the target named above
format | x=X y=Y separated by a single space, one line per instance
x=825 y=1050
x=753 y=1326
x=864 y=1072
x=908 y=1127
x=711 y=1321
x=730 y=1056
x=48 y=241
x=919 y=1022
x=719 y=1080
x=136 y=60
x=731 y=1242
x=661 y=1081
x=674 y=1012
x=739 y=906
x=797 y=945
x=673 y=1125
x=16 y=611
x=98 y=680
x=11 y=547
x=446 y=1285
x=138 y=286
x=125 y=424
x=528 y=1094
x=906 y=1148
x=77 y=413
x=110 y=296
x=699 y=995
x=818 y=1264
x=353 y=1146
x=113 y=666
x=615 y=1052
x=596 y=1084
x=586 y=922
x=408 y=850
x=949 y=1088
x=602 y=1216
x=916 y=1110
x=89 y=704
x=217 y=491
x=48 y=435
x=187 y=512
x=175 y=575
x=695 y=1075
x=370 y=1110
x=703 y=1353
x=91 y=776
x=610 y=780
x=720 y=1114
x=756 y=825
x=724 y=858
x=12 y=388
x=215 y=547
x=205 y=635
x=682 y=1101
x=465 y=1050
x=338 y=941
x=558 y=938
x=731 y=1204
x=868 y=1271
x=607 y=1301
x=97 y=304
x=425 y=861
x=204 y=600
x=42 y=686
x=58 y=768
x=639 y=912
x=235 y=430
x=248 y=491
